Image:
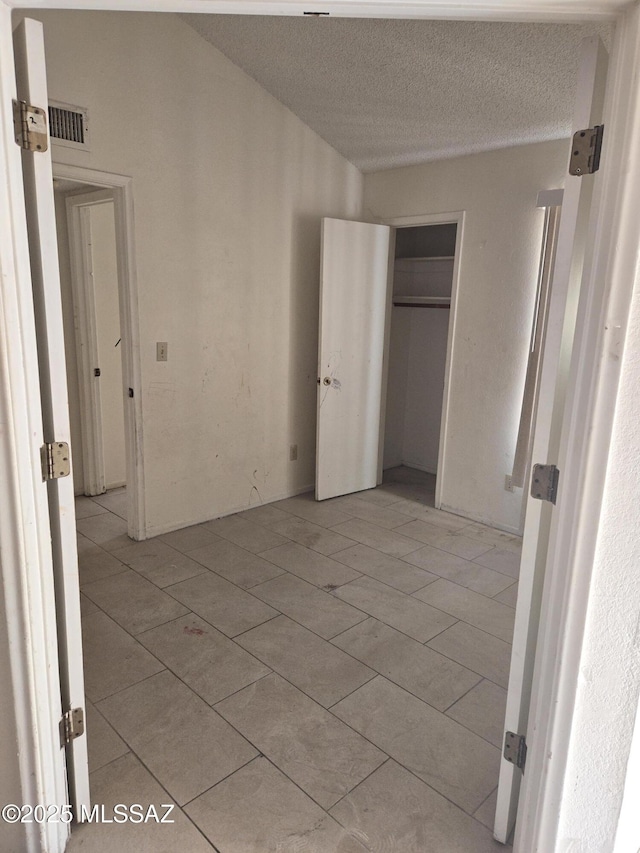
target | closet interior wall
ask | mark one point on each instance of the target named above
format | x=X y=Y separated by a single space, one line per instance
x=423 y=274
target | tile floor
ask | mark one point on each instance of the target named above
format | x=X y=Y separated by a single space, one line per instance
x=301 y=677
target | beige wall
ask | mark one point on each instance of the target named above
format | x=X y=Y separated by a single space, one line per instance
x=498 y=272
x=229 y=188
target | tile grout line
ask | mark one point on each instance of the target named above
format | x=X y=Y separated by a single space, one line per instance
x=409 y=770
x=355 y=787
x=419 y=698
x=96 y=702
x=211 y=707
x=180 y=677
x=486 y=677
x=473 y=562
x=246 y=630
x=224 y=778
x=368 y=666
x=328 y=711
x=171 y=797
x=459 y=699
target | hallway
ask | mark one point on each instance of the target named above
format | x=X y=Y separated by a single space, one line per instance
x=300 y=676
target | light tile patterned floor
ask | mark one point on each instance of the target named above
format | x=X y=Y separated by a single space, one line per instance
x=299 y=678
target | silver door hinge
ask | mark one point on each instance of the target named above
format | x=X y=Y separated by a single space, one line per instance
x=71 y=725
x=586 y=150
x=515 y=749
x=30 y=127
x=55 y=460
x=544 y=483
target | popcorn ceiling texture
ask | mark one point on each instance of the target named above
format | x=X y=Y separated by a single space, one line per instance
x=389 y=93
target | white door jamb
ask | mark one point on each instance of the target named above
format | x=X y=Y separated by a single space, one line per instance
x=121 y=187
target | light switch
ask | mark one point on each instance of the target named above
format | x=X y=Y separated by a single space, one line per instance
x=161 y=350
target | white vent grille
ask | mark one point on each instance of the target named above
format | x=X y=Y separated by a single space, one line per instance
x=69 y=125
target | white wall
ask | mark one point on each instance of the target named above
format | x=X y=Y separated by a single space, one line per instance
x=418 y=353
x=498 y=272
x=418 y=349
x=396 y=402
x=105 y=281
x=609 y=684
x=425 y=382
x=229 y=188
x=12 y=836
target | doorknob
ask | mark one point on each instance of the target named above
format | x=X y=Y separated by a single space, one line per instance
x=326 y=380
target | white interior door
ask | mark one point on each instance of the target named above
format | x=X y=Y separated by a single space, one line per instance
x=38 y=181
x=560 y=331
x=354 y=297
x=94 y=278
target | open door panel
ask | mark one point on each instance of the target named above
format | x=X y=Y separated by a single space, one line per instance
x=43 y=251
x=354 y=297
x=548 y=426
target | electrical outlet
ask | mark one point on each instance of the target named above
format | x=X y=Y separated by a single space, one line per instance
x=508 y=483
x=162 y=351
x=293 y=453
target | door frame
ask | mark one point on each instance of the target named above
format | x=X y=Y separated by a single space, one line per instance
x=616 y=248
x=611 y=275
x=451 y=218
x=121 y=188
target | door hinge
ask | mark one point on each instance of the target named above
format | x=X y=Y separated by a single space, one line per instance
x=544 y=483
x=71 y=725
x=55 y=460
x=586 y=150
x=30 y=127
x=515 y=749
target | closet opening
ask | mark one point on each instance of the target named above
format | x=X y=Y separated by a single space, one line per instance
x=419 y=349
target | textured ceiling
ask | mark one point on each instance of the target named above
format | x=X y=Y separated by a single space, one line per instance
x=389 y=93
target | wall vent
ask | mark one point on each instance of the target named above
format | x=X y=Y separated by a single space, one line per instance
x=69 y=125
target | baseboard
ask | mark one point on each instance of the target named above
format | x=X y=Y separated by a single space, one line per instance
x=514 y=531
x=159 y=530
x=427 y=469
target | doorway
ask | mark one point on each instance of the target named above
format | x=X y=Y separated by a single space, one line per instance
x=90 y=299
x=94 y=221
x=419 y=343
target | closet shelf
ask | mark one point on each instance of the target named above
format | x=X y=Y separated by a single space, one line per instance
x=422 y=301
x=426 y=258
